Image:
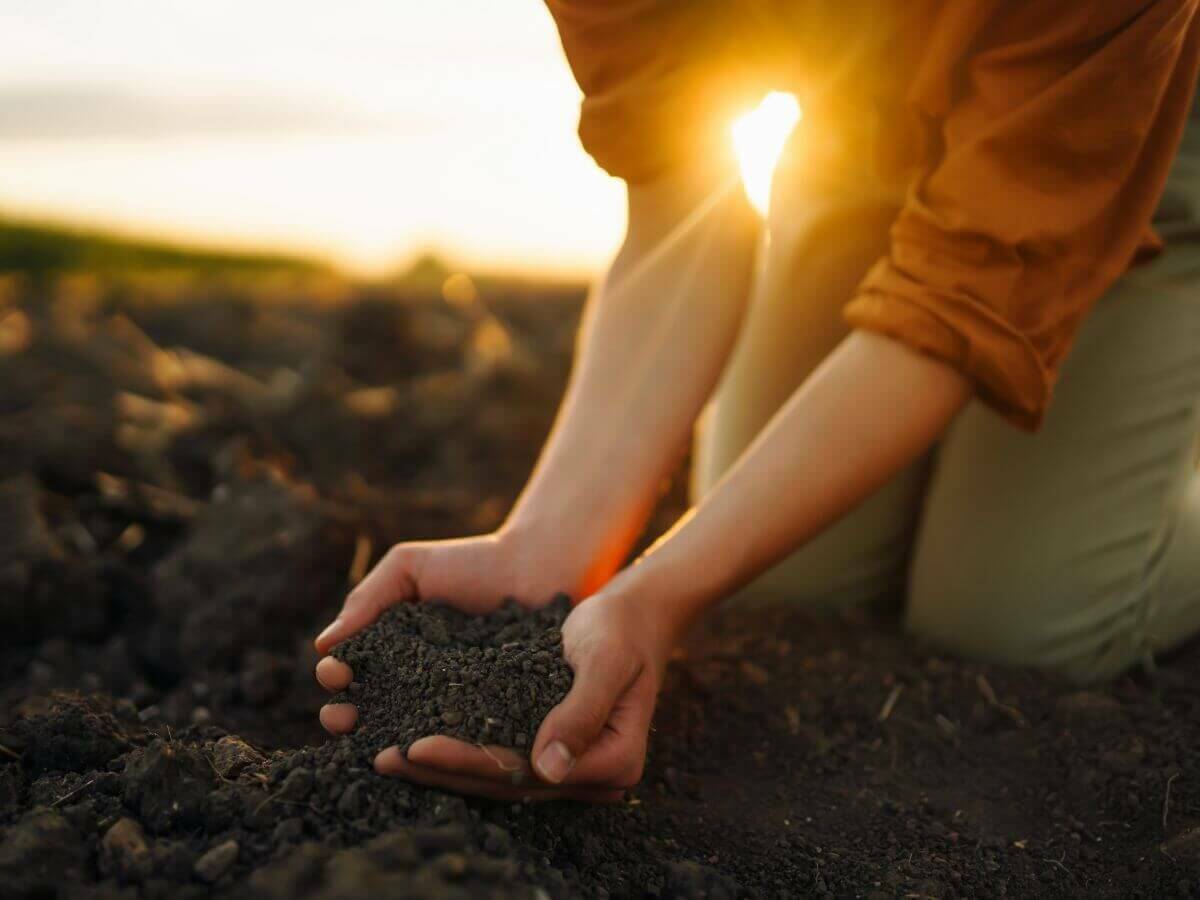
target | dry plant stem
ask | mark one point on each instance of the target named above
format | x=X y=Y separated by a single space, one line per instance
x=890 y=703
x=71 y=794
x=1167 y=800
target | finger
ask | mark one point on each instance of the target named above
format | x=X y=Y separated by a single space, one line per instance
x=338 y=718
x=618 y=755
x=388 y=583
x=572 y=726
x=450 y=755
x=392 y=762
x=333 y=674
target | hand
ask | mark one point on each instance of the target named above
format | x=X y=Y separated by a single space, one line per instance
x=476 y=574
x=592 y=746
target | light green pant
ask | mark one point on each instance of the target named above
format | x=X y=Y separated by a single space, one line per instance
x=1076 y=548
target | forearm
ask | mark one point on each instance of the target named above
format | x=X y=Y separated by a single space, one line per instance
x=871 y=409
x=655 y=338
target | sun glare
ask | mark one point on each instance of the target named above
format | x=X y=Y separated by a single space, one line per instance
x=758 y=139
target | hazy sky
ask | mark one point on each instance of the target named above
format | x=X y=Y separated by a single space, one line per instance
x=365 y=130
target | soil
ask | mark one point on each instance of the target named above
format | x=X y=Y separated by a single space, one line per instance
x=428 y=668
x=194 y=473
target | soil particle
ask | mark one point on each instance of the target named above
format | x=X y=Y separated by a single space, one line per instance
x=40 y=852
x=12 y=789
x=288 y=831
x=168 y=783
x=1184 y=846
x=389 y=866
x=297 y=786
x=173 y=861
x=216 y=862
x=231 y=756
x=425 y=669
x=353 y=800
x=692 y=879
x=124 y=852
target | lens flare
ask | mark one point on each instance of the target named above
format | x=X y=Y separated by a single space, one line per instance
x=758 y=139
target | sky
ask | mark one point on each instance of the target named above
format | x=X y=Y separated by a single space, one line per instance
x=365 y=132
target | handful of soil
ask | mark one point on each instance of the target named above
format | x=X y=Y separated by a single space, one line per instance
x=428 y=668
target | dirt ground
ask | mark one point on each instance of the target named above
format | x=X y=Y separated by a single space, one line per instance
x=194 y=472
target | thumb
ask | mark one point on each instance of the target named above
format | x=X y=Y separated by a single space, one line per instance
x=572 y=726
x=390 y=582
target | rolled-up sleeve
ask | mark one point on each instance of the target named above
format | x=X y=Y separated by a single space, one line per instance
x=659 y=77
x=1050 y=144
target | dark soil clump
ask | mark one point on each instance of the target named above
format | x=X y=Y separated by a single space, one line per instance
x=73 y=733
x=429 y=668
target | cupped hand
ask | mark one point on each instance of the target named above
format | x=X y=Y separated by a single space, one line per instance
x=592 y=746
x=475 y=574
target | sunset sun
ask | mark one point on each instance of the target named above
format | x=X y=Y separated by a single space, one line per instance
x=758 y=140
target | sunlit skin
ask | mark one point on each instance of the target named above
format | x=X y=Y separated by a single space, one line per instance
x=656 y=335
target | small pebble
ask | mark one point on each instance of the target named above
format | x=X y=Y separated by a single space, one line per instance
x=216 y=862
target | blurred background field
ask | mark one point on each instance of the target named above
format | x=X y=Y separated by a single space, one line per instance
x=185 y=414
x=366 y=136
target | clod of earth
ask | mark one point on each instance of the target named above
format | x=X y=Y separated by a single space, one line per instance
x=73 y=735
x=216 y=862
x=124 y=852
x=428 y=668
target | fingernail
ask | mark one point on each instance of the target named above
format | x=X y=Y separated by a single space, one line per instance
x=556 y=762
x=330 y=630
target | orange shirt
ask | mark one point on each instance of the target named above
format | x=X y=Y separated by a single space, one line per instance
x=1030 y=139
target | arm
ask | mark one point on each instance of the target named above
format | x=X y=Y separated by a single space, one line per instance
x=654 y=340
x=868 y=411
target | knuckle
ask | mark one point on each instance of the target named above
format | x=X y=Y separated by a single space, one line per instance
x=592 y=647
x=396 y=556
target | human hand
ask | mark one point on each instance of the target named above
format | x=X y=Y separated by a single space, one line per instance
x=592 y=746
x=475 y=574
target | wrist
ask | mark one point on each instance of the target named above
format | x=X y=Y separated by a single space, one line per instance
x=560 y=550
x=663 y=618
x=586 y=542
x=539 y=555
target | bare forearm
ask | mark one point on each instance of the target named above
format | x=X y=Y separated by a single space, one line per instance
x=655 y=337
x=872 y=408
